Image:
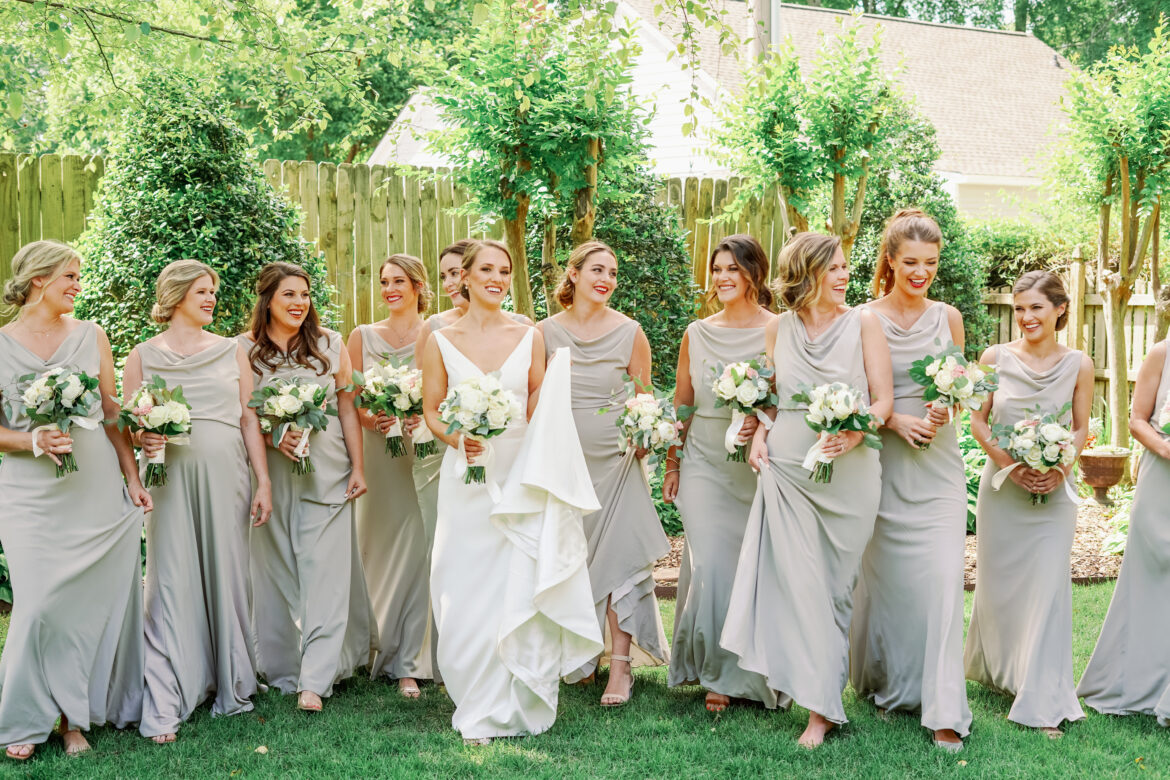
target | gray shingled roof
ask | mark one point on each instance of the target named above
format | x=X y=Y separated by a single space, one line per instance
x=994 y=96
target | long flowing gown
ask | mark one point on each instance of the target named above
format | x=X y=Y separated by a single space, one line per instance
x=73 y=544
x=792 y=598
x=393 y=543
x=714 y=500
x=310 y=609
x=1130 y=668
x=198 y=634
x=1020 y=638
x=509 y=583
x=625 y=537
x=906 y=638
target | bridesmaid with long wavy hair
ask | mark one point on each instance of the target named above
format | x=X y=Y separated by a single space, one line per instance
x=74 y=648
x=310 y=608
x=714 y=495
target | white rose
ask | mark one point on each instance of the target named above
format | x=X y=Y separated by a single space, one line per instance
x=932 y=368
x=944 y=381
x=490 y=384
x=288 y=405
x=665 y=430
x=747 y=394
x=497 y=417
x=73 y=388
x=1067 y=455
x=646 y=424
x=402 y=401
x=725 y=388
x=1034 y=457
x=842 y=407
x=1051 y=432
x=156 y=418
x=473 y=400
x=467 y=420
x=1024 y=443
x=1052 y=453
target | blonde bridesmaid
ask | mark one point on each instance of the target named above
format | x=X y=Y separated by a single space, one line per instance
x=198 y=635
x=74 y=648
x=625 y=537
x=1020 y=638
x=310 y=607
x=390 y=531
x=1130 y=668
x=714 y=495
x=906 y=638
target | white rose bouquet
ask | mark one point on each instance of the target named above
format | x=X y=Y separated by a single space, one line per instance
x=746 y=387
x=953 y=381
x=157 y=409
x=58 y=399
x=295 y=405
x=395 y=389
x=481 y=407
x=648 y=420
x=835 y=408
x=1040 y=442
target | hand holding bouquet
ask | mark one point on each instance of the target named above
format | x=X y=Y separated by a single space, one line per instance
x=1039 y=442
x=953 y=381
x=159 y=410
x=295 y=405
x=480 y=407
x=58 y=399
x=832 y=409
x=394 y=389
x=648 y=421
x=745 y=387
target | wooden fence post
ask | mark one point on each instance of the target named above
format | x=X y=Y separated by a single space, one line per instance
x=1076 y=309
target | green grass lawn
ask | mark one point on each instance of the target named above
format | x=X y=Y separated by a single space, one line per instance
x=367 y=730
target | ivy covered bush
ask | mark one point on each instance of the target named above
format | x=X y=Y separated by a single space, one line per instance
x=182 y=182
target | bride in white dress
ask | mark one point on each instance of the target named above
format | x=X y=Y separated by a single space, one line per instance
x=509 y=585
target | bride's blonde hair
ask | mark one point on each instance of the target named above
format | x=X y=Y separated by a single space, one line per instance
x=46 y=259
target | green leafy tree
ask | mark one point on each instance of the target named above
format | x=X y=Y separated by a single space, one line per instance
x=183 y=183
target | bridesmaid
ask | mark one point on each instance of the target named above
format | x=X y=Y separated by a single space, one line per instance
x=906 y=638
x=625 y=537
x=1020 y=638
x=74 y=646
x=310 y=609
x=713 y=493
x=1130 y=668
x=792 y=596
x=197 y=535
x=390 y=531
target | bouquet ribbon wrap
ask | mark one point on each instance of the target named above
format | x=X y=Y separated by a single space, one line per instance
x=731 y=438
x=1001 y=476
x=81 y=422
x=302 y=447
x=483 y=461
x=395 y=429
x=422 y=434
x=816 y=453
x=179 y=441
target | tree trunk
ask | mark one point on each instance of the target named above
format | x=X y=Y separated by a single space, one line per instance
x=550 y=270
x=1117 y=296
x=1021 y=15
x=585 y=199
x=514 y=233
x=1161 y=296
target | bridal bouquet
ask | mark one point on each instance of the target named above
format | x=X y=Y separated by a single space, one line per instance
x=835 y=408
x=1164 y=417
x=481 y=407
x=1039 y=441
x=648 y=420
x=746 y=387
x=294 y=405
x=395 y=389
x=157 y=409
x=59 y=399
x=953 y=381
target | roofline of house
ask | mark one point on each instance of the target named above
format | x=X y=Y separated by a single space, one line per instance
x=903 y=20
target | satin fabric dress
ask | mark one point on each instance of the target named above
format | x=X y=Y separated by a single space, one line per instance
x=1020 y=638
x=393 y=543
x=792 y=597
x=73 y=546
x=1130 y=668
x=199 y=640
x=625 y=537
x=509 y=583
x=310 y=609
x=906 y=637
x=714 y=500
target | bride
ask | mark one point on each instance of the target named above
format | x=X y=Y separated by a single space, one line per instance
x=509 y=585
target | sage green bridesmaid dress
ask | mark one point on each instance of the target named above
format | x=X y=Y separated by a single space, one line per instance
x=625 y=537
x=1130 y=668
x=393 y=543
x=1020 y=638
x=310 y=608
x=198 y=636
x=906 y=637
x=73 y=545
x=714 y=500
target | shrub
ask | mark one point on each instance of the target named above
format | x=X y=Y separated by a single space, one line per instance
x=183 y=184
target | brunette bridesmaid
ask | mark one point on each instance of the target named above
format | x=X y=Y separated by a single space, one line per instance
x=74 y=647
x=906 y=638
x=198 y=636
x=791 y=600
x=1020 y=638
x=310 y=608
x=390 y=531
x=714 y=494
x=625 y=537
x=1130 y=668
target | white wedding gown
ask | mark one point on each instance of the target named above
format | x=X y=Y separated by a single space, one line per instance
x=509 y=584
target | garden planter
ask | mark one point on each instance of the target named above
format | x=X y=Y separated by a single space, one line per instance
x=1101 y=469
